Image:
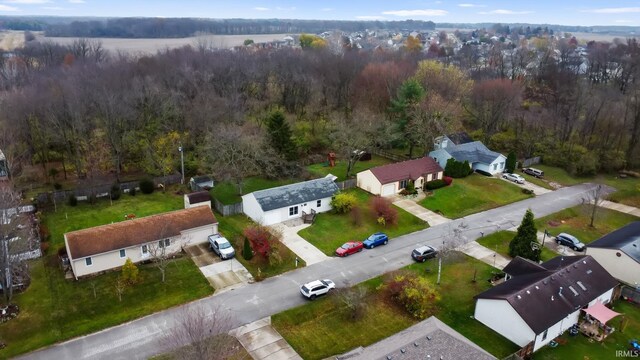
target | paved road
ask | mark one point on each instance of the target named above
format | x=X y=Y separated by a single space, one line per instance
x=141 y=338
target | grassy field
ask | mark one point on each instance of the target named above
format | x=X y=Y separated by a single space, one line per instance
x=320 y=329
x=472 y=194
x=232 y=226
x=340 y=170
x=579 y=347
x=575 y=221
x=330 y=230
x=54 y=309
x=628 y=190
x=499 y=242
x=227 y=193
x=84 y=215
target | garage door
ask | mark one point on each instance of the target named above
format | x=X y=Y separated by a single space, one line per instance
x=389 y=189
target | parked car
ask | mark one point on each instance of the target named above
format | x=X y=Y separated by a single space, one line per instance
x=312 y=290
x=349 y=248
x=533 y=172
x=221 y=246
x=376 y=239
x=570 y=241
x=513 y=177
x=482 y=172
x=423 y=253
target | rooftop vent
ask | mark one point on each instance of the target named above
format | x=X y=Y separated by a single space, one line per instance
x=389 y=357
x=582 y=286
x=589 y=271
x=584 y=262
x=575 y=293
x=528 y=292
x=519 y=297
x=552 y=298
x=537 y=287
x=415 y=344
x=428 y=337
x=403 y=350
x=575 y=266
x=560 y=292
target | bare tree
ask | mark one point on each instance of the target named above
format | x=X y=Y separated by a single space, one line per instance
x=200 y=334
x=14 y=243
x=450 y=242
x=120 y=286
x=353 y=298
x=160 y=255
x=593 y=200
x=352 y=136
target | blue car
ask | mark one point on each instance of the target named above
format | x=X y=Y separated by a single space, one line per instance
x=376 y=239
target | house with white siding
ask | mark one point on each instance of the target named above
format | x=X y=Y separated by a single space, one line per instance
x=538 y=302
x=198 y=198
x=390 y=179
x=475 y=152
x=279 y=204
x=619 y=253
x=106 y=247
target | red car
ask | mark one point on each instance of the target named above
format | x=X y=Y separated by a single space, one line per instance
x=349 y=248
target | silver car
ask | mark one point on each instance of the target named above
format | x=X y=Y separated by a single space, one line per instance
x=513 y=177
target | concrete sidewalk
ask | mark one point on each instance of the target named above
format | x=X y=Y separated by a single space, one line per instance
x=620 y=207
x=301 y=247
x=484 y=254
x=263 y=342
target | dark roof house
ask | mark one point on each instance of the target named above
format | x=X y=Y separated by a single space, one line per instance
x=297 y=193
x=619 y=253
x=410 y=169
x=625 y=239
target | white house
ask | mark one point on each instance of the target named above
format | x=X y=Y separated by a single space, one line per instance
x=538 y=302
x=105 y=247
x=475 y=152
x=619 y=253
x=275 y=205
x=390 y=179
x=200 y=198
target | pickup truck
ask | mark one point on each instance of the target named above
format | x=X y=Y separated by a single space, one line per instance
x=221 y=246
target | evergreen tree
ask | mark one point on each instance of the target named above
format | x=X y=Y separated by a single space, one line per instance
x=247 y=252
x=521 y=245
x=280 y=134
x=510 y=166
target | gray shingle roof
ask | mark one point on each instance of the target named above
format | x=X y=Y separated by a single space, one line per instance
x=625 y=239
x=288 y=195
x=473 y=152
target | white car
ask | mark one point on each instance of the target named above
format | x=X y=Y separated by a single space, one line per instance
x=513 y=177
x=221 y=246
x=312 y=290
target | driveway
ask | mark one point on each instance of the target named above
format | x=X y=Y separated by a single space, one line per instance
x=296 y=243
x=411 y=206
x=139 y=339
x=263 y=342
x=221 y=274
x=537 y=190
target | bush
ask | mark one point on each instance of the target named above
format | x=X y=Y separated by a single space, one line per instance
x=260 y=238
x=457 y=169
x=510 y=165
x=384 y=211
x=413 y=292
x=435 y=184
x=132 y=191
x=130 y=272
x=482 y=172
x=342 y=203
x=527 y=191
x=247 y=253
x=57 y=186
x=115 y=191
x=448 y=180
x=73 y=200
x=146 y=186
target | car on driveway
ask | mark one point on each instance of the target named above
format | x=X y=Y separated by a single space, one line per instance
x=513 y=177
x=533 y=172
x=221 y=246
x=376 y=239
x=423 y=253
x=312 y=290
x=570 y=241
x=349 y=248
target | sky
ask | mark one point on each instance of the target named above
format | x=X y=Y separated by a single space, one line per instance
x=563 y=12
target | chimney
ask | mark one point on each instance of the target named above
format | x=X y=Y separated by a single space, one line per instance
x=560 y=292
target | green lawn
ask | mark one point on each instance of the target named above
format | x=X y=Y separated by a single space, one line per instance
x=558 y=175
x=628 y=190
x=472 y=194
x=54 y=309
x=84 y=215
x=331 y=230
x=575 y=221
x=232 y=226
x=579 y=347
x=320 y=329
x=227 y=192
x=340 y=170
x=499 y=242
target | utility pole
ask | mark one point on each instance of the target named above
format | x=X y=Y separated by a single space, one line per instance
x=181 y=150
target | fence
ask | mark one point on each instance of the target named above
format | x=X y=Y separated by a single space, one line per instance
x=531 y=161
x=631 y=294
x=390 y=155
x=103 y=190
x=347 y=184
x=227 y=210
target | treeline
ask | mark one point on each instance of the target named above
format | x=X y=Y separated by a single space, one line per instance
x=185 y=27
x=268 y=112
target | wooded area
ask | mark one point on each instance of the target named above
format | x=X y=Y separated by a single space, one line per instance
x=93 y=112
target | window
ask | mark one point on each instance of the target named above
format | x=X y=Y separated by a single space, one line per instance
x=164 y=243
x=293 y=211
x=145 y=250
x=88 y=261
x=544 y=335
x=403 y=184
x=123 y=253
x=318 y=203
x=502 y=165
x=495 y=166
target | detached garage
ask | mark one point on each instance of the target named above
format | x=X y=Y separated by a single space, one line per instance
x=388 y=180
x=275 y=205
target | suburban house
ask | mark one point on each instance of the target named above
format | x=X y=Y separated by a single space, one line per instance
x=451 y=139
x=475 y=152
x=387 y=180
x=198 y=183
x=619 y=253
x=538 y=302
x=428 y=339
x=105 y=247
x=275 y=205
x=4 y=168
x=199 y=198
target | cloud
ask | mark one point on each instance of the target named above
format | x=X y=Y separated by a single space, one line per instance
x=54 y=8
x=424 y=12
x=27 y=1
x=471 y=5
x=504 y=12
x=369 y=17
x=8 y=8
x=620 y=10
x=261 y=8
x=285 y=9
x=77 y=1
x=327 y=9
